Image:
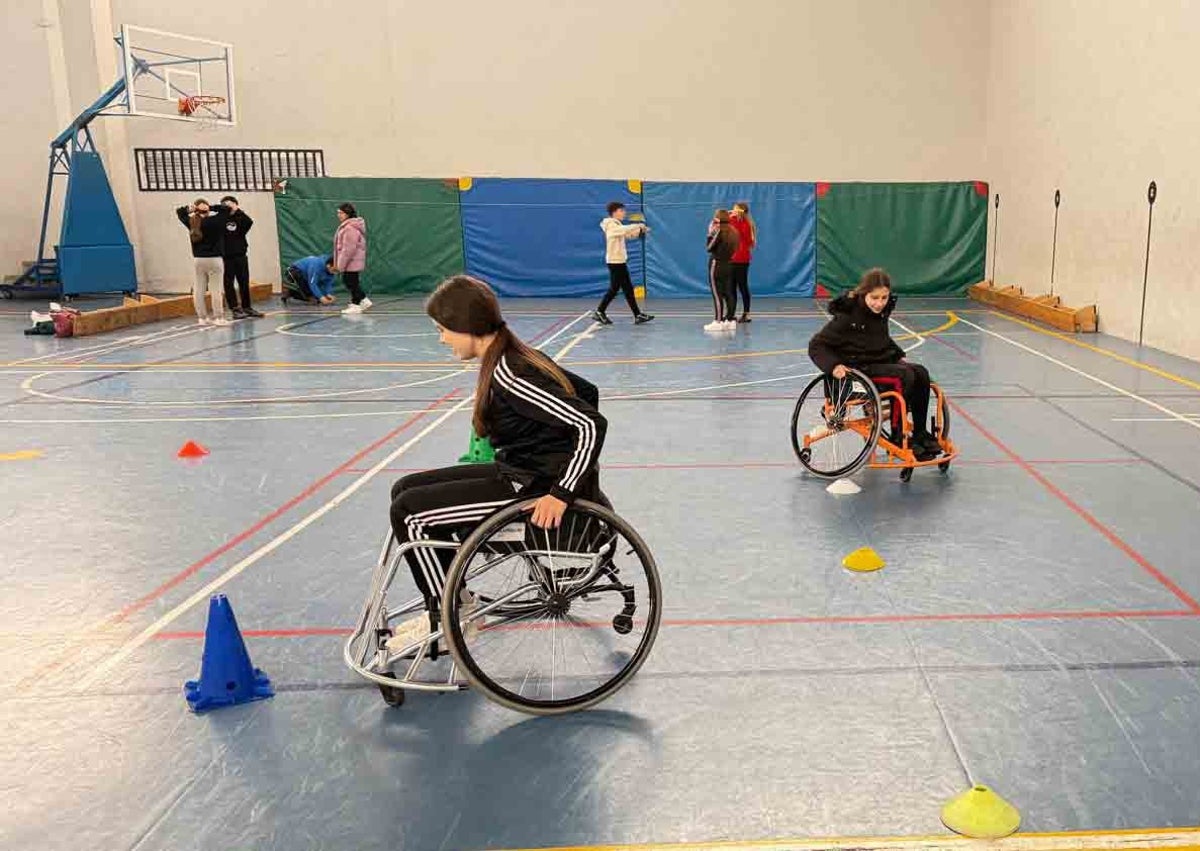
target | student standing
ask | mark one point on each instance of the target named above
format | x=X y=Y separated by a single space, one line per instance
x=740 y=219
x=237 y=263
x=617 y=259
x=206 y=229
x=721 y=245
x=350 y=255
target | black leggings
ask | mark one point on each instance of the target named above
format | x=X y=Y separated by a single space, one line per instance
x=914 y=387
x=741 y=283
x=352 y=284
x=619 y=281
x=444 y=504
x=720 y=282
x=237 y=268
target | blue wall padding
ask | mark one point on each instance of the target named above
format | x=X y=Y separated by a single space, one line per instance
x=678 y=214
x=531 y=237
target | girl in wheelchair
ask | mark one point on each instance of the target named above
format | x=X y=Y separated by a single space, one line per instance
x=857 y=336
x=541 y=419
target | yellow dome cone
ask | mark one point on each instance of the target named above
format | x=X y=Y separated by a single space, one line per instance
x=979 y=813
x=863 y=560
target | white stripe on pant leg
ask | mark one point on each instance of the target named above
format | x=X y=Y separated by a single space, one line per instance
x=718 y=308
x=417 y=554
x=419 y=522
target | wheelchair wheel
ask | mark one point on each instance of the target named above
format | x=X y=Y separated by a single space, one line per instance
x=392 y=695
x=944 y=432
x=548 y=621
x=836 y=424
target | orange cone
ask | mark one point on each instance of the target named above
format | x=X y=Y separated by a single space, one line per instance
x=192 y=449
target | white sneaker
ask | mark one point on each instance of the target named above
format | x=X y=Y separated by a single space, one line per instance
x=352 y=309
x=412 y=631
x=730 y=324
x=204 y=320
x=715 y=325
x=365 y=303
x=221 y=320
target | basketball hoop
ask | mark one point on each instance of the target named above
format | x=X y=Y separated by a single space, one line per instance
x=189 y=105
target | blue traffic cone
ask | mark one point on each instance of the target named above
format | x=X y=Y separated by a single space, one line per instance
x=226 y=676
x=479 y=451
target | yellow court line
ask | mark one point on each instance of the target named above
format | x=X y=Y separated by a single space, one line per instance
x=1161 y=373
x=945 y=326
x=950 y=323
x=333 y=366
x=23 y=455
x=1105 y=840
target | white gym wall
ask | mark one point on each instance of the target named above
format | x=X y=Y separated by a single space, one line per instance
x=1098 y=98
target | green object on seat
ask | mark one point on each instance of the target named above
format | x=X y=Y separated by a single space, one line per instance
x=479 y=451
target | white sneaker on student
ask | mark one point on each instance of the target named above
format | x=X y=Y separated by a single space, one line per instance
x=204 y=320
x=715 y=325
x=412 y=631
x=352 y=309
x=220 y=320
x=365 y=303
x=730 y=324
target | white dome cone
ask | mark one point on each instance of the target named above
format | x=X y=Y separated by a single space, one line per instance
x=843 y=487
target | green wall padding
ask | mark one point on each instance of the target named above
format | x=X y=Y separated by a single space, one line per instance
x=930 y=237
x=414 y=230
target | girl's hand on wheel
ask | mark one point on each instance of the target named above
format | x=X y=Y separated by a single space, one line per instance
x=839 y=372
x=548 y=512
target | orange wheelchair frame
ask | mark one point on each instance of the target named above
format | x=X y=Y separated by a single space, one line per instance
x=886 y=434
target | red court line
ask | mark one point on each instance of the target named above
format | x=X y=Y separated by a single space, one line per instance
x=959 y=349
x=195 y=566
x=144 y=601
x=758 y=465
x=811 y=620
x=1087 y=517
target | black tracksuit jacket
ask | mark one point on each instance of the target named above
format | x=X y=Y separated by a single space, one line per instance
x=544 y=438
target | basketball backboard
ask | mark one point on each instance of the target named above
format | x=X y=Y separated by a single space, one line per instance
x=180 y=77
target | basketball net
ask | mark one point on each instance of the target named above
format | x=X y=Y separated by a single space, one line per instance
x=199 y=108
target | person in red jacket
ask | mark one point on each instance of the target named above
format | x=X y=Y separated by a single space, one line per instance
x=748 y=233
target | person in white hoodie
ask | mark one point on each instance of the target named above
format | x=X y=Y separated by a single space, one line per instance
x=617 y=259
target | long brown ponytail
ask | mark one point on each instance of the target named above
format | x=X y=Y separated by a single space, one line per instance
x=195 y=220
x=468 y=306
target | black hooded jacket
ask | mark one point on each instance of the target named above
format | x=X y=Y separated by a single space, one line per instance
x=855 y=336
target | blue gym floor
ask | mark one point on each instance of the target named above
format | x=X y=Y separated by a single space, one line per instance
x=1035 y=628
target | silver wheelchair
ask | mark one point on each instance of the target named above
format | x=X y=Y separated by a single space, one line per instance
x=543 y=621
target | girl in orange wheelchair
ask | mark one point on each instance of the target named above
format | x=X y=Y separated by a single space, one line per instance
x=857 y=336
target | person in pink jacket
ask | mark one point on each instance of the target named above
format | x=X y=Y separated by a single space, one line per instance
x=350 y=255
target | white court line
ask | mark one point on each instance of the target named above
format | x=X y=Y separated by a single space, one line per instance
x=1154 y=419
x=710 y=387
x=1173 y=415
x=102 y=669
x=328 y=416
x=286 y=330
x=115 y=345
x=27 y=386
x=920 y=338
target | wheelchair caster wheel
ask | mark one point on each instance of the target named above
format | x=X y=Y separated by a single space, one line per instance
x=906 y=474
x=805 y=455
x=622 y=624
x=392 y=695
x=944 y=466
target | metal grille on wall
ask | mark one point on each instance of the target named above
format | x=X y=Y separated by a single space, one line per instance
x=223 y=169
